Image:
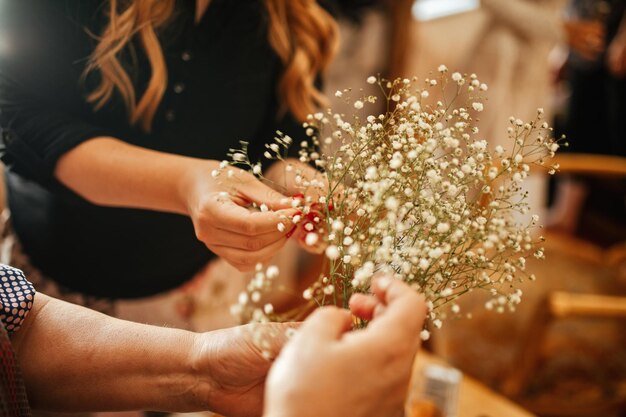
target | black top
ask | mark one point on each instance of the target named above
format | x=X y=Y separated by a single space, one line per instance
x=222 y=89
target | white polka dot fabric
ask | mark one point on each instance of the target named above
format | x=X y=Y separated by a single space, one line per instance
x=16 y=297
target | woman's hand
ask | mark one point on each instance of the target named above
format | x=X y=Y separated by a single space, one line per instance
x=109 y=172
x=325 y=370
x=224 y=221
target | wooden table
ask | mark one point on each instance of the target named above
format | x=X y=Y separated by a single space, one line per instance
x=475 y=399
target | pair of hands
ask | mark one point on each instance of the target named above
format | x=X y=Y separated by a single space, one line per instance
x=223 y=221
x=326 y=369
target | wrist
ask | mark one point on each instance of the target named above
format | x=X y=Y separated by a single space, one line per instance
x=195 y=172
x=185 y=388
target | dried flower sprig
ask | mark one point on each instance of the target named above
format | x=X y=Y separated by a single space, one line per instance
x=417 y=193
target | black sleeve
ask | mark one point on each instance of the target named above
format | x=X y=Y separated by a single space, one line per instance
x=42 y=109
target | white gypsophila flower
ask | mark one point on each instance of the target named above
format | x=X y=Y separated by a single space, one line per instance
x=311 y=239
x=272 y=272
x=332 y=252
x=413 y=192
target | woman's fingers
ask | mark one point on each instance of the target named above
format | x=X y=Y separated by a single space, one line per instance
x=222 y=213
x=250 y=188
x=246 y=260
x=248 y=243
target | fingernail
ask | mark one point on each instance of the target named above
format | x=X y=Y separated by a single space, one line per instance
x=311 y=216
x=291 y=232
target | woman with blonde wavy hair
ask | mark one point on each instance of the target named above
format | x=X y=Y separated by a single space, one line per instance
x=114 y=114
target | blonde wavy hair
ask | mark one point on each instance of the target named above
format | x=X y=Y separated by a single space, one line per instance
x=303 y=35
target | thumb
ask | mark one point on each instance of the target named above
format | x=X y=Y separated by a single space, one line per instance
x=326 y=323
x=255 y=191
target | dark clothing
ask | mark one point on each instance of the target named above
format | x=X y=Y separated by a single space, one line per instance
x=222 y=83
x=595 y=120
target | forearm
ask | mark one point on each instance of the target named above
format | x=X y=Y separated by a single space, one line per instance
x=75 y=359
x=110 y=172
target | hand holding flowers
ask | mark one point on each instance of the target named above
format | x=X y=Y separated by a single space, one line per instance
x=237 y=216
x=375 y=362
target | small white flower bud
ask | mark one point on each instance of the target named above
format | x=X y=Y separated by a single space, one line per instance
x=311 y=239
x=477 y=106
x=332 y=252
x=272 y=272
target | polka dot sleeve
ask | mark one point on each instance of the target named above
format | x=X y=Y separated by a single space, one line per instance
x=16 y=297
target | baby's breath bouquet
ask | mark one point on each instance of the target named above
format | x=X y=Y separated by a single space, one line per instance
x=414 y=192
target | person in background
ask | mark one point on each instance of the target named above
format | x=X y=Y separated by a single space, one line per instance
x=511 y=57
x=95 y=362
x=595 y=72
x=114 y=114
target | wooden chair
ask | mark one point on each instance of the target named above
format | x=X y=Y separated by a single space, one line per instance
x=559 y=305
